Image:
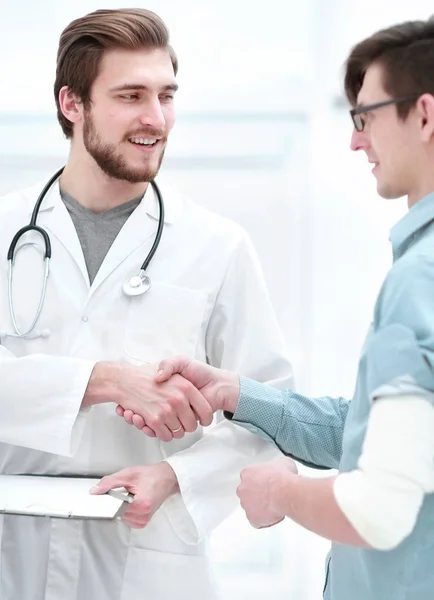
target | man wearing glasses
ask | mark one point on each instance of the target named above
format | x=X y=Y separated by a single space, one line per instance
x=379 y=510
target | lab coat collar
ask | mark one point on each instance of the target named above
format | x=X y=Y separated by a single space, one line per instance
x=136 y=231
x=409 y=228
x=172 y=203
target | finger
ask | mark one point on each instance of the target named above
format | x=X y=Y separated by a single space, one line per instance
x=134 y=515
x=168 y=367
x=175 y=426
x=178 y=432
x=182 y=404
x=120 y=479
x=149 y=432
x=119 y=411
x=240 y=492
x=187 y=418
x=162 y=432
x=128 y=416
x=200 y=406
x=135 y=523
x=138 y=421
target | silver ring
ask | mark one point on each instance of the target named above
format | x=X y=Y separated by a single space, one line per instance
x=176 y=430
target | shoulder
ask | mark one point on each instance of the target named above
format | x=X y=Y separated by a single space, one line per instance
x=408 y=289
x=19 y=201
x=413 y=268
x=205 y=222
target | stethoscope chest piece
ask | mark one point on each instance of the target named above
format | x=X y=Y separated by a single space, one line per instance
x=137 y=285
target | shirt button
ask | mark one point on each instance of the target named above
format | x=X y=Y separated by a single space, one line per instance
x=84 y=319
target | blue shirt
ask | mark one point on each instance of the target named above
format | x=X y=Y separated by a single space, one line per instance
x=329 y=432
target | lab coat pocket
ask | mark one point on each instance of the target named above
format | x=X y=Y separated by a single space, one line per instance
x=164 y=322
x=150 y=574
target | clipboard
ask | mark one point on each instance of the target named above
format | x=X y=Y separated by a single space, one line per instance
x=59 y=497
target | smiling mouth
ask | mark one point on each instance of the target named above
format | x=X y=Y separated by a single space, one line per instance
x=143 y=141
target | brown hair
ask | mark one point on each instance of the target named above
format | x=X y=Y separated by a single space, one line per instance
x=406 y=54
x=83 y=43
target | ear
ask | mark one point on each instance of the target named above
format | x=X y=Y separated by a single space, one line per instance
x=70 y=105
x=425 y=113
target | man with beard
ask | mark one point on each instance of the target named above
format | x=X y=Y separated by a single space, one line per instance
x=92 y=346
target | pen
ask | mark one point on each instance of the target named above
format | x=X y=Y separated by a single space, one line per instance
x=121 y=496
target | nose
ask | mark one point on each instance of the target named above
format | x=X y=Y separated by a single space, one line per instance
x=359 y=140
x=152 y=115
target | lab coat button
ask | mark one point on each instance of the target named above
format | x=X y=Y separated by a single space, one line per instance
x=84 y=319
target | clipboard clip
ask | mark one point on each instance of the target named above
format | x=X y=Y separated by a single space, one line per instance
x=126 y=497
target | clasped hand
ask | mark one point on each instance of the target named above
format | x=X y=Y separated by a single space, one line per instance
x=185 y=391
x=165 y=409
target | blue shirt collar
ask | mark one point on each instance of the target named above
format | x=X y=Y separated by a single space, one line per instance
x=409 y=227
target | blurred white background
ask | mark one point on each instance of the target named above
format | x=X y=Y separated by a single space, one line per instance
x=262 y=137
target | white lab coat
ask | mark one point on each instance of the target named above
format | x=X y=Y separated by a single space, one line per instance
x=207 y=300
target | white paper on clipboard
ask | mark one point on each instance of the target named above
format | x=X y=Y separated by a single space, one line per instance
x=62 y=497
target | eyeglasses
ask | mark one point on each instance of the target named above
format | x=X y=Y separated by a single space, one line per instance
x=358 y=112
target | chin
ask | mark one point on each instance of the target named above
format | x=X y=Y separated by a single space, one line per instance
x=143 y=172
x=388 y=193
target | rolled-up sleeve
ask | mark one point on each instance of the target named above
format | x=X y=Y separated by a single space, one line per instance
x=307 y=429
x=402 y=345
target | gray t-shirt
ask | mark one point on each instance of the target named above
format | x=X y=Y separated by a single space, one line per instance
x=97 y=232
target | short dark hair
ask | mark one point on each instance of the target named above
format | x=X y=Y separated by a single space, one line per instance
x=406 y=54
x=83 y=43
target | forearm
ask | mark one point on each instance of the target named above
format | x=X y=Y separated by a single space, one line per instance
x=103 y=385
x=383 y=497
x=376 y=505
x=311 y=503
x=307 y=429
x=169 y=479
x=209 y=473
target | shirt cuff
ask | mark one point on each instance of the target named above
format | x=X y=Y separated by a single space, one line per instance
x=77 y=427
x=260 y=406
x=402 y=386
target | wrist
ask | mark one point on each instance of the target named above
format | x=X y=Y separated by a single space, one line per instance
x=228 y=392
x=103 y=385
x=170 y=479
x=283 y=491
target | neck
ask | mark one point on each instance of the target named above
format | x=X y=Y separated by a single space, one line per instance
x=414 y=197
x=91 y=187
x=424 y=182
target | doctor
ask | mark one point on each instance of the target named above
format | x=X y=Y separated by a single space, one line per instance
x=92 y=345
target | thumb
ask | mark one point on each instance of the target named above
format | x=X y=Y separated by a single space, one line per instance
x=170 y=366
x=120 y=479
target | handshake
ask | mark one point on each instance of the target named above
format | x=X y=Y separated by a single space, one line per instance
x=169 y=400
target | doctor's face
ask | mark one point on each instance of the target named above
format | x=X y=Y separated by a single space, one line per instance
x=131 y=114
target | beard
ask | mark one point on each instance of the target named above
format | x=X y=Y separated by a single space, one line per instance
x=110 y=161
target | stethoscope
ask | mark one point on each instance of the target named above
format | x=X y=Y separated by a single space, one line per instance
x=134 y=286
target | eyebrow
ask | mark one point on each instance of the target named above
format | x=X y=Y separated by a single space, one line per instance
x=172 y=87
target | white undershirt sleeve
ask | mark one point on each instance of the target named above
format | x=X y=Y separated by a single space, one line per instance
x=382 y=498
